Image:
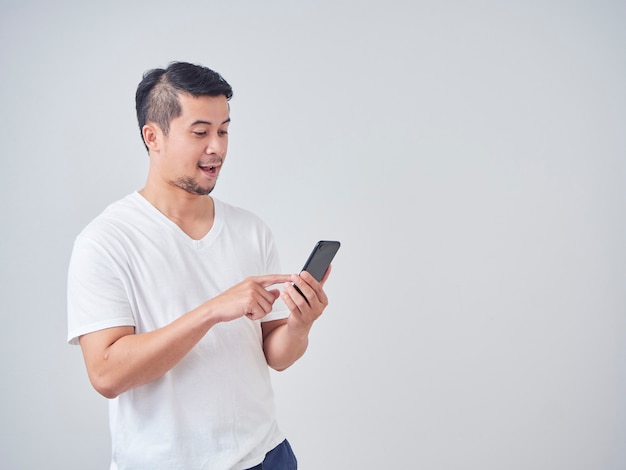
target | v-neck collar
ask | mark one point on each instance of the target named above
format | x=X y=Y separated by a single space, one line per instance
x=179 y=233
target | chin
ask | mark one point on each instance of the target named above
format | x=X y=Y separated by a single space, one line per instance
x=193 y=187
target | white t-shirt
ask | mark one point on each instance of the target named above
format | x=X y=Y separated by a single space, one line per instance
x=133 y=266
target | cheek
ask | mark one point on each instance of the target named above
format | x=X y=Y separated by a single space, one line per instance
x=185 y=151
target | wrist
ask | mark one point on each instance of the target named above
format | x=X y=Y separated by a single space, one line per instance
x=298 y=330
x=210 y=315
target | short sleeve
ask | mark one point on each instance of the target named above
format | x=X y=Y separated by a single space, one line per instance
x=279 y=310
x=96 y=295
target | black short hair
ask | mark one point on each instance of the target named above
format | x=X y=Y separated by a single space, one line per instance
x=156 y=99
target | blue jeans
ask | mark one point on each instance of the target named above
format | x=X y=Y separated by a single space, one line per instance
x=280 y=457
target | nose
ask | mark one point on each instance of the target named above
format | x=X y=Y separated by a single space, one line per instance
x=216 y=145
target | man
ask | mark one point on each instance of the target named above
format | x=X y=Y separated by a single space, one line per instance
x=172 y=297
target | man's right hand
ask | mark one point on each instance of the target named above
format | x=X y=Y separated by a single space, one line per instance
x=249 y=298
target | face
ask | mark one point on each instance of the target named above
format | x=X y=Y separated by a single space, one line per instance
x=190 y=157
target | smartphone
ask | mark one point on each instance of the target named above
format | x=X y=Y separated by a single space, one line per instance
x=319 y=260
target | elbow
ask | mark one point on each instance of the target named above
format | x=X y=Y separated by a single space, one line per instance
x=105 y=386
x=282 y=364
x=107 y=393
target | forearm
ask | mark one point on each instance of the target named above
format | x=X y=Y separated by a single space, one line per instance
x=285 y=345
x=125 y=361
x=117 y=359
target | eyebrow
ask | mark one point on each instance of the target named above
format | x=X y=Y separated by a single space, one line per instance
x=209 y=123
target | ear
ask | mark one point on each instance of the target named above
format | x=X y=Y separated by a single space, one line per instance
x=152 y=136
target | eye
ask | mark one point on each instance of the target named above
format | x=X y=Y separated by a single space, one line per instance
x=200 y=133
x=223 y=132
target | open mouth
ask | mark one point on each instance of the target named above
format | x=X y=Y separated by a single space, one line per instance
x=210 y=169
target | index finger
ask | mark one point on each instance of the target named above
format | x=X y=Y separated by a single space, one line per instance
x=271 y=279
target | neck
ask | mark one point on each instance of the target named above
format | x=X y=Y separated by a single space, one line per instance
x=193 y=213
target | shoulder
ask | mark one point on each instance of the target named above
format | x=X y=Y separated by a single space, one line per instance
x=115 y=220
x=244 y=226
x=237 y=215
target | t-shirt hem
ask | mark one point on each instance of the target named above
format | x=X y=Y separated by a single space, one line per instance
x=275 y=316
x=256 y=461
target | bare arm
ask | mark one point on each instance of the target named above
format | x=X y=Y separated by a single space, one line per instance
x=285 y=341
x=117 y=359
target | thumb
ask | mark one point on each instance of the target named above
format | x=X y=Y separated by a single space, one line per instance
x=275 y=293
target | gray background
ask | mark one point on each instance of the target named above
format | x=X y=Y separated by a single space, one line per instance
x=470 y=155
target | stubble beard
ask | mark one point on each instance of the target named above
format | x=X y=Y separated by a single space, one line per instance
x=190 y=185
